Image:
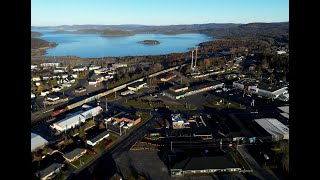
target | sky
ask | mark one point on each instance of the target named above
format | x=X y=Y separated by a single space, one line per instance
x=156 y=12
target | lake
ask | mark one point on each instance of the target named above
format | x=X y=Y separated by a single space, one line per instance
x=95 y=46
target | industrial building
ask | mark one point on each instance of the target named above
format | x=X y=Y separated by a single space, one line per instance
x=284 y=112
x=275 y=128
x=245 y=84
x=50 y=171
x=167 y=77
x=270 y=91
x=194 y=89
x=95 y=140
x=76 y=119
x=37 y=142
x=179 y=88
x=136 y=86
x=201 y=162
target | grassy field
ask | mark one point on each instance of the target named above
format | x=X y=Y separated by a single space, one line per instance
x=224 y=104
x=145 y=105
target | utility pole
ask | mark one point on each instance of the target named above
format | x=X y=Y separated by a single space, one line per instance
x=192 y=59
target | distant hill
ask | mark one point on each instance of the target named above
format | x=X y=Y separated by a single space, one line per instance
x=35 y=34
x=275 y=31
x=105 y=32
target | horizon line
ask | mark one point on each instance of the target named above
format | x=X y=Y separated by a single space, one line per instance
x=153 y=25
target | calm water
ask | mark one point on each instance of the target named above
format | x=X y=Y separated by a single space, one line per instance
x=93 y=45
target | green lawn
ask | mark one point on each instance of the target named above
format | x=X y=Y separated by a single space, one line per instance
x=84 y=159
x=239 y=159
x=225 y=104
x=140 y=104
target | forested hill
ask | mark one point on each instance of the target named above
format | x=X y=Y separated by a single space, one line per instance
x=105 y=32
x=276 y=31
x=39 y=43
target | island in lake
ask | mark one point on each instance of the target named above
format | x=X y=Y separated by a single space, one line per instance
x=105 y=32
x=150 y=42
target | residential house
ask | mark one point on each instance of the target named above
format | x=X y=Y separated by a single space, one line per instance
x=137 y=85
x=50 y=171
x=74 y=154
x=96 y=139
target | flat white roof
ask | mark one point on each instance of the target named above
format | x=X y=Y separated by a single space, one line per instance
x=78 y=117
x=284 y=109
x=273 y=126
x=37 y=141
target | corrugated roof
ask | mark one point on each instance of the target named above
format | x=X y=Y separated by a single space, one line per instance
x=79 y=117
x=273 y=126
x=37 y=141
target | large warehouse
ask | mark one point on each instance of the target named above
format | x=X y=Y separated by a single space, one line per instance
x=193 y=89
x=37 y=142
x=76 y=119
x=274 y=127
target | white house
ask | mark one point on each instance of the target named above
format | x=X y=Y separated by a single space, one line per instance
x=64 y=76
x=52 y=97
x=101 y=70
x=33 y=95
x=37 y=83
x=95 y=140
x=79 y=69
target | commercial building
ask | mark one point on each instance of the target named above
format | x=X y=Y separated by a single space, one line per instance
x=167 y=77
x=95 y=140
x=76 y=119
x=80 y=90
x=101 y=70
x=79 y=69
x=274 y=127
x=270 y=91
x=50 y=64
x=128 y=118
x=50 y=171
x=245 y=84
x=179 y=88
x=201 y=162
x=178 y=122
x=137 y=85
x=37 y=142
x=75 y=154
x=118 y=65
x=194 y=89
x=92 y=67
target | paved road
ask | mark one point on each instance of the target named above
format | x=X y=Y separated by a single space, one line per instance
x=93 y=169
x=258 y=172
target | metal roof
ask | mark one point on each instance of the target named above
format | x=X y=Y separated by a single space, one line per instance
x=273 y=126
x=78 y=117
x=99 y=136
x=43 y=173
x=37 y=141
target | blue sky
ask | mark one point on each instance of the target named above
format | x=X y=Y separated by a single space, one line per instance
x=156 y=12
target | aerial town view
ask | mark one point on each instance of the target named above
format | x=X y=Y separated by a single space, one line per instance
x=161 y=90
